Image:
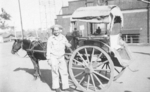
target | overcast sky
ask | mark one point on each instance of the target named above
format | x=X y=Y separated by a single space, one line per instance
x=30 y=12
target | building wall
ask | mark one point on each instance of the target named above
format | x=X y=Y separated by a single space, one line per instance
x=65 y=22
x=64 y=19
x=65 y=10
x=136 y=18
x=75 y=5
x=128 y=4
x=136 y=21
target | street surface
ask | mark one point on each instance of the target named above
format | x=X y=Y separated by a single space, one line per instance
x=16 y=73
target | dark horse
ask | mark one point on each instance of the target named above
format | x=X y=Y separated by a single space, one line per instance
x=36 y=50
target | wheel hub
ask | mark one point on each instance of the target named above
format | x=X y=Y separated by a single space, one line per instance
x=89 y=69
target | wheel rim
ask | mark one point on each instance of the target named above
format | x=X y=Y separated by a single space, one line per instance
x=85 y=69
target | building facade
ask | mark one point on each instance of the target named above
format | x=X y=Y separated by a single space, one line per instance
x=136 y=17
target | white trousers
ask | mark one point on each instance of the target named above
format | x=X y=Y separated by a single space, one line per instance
x=115 y=41
x=59 y=67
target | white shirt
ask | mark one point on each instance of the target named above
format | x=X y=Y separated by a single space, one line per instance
x=56 y=45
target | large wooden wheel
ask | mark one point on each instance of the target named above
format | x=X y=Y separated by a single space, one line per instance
x=87 y=71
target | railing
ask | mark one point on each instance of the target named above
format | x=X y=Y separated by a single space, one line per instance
x=131 y=38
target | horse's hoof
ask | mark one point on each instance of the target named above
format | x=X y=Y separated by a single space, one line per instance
x=35 y=77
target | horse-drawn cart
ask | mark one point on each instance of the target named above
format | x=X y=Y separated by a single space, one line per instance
x=94 y=62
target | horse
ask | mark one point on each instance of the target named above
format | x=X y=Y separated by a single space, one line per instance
x=30 y=47
x=36 y=50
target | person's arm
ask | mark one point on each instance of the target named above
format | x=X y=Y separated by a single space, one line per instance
x=67 y=44
x=48 y=48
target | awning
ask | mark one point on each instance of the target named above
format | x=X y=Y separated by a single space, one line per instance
x=96 y=13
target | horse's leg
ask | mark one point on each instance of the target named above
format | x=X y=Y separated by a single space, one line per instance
x=35 y=64
x=37 y=73
x=38 y=68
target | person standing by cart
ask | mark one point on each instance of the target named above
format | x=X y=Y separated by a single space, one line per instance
x=55 y=55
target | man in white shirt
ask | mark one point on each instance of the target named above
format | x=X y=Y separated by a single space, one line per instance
x=55 y=55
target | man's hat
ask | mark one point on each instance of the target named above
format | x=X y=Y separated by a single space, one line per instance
x=56 y=26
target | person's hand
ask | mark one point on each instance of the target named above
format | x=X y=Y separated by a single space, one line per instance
x=48 y=57
x=68 y=45
x=49 y=62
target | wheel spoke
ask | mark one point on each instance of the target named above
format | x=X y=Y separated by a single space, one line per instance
x=117 y=70
x=98 y=80
x=81 y=79
x=87 y=55
x=82 y=59
x=78 y=61
x=108 y=66
x=102 y=70
x=78 y=68
x=93 y=51
x=99 y=56
x=93 y=81
x=103 y=63
x=102 y=75
x=88 y=82
x=103 y=66
x=78 y=74
x=92 y=55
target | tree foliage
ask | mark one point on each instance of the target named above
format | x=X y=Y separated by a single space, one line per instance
x=3 y=17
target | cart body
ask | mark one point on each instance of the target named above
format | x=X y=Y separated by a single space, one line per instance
x=96 y=61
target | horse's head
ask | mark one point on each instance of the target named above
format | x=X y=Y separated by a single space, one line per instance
x=16 y=46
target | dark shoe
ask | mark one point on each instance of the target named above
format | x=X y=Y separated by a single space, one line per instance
x=58 y=90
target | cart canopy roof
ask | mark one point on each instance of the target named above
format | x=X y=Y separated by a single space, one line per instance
x=96 y=14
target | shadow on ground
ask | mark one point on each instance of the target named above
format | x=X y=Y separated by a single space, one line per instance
x=142 y=53
x=46 y=77
x=127 y=91
x=148 y=78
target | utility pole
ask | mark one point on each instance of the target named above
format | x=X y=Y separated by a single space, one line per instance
x=45 y=15
x=148 y=10
x=21 y=20
x=40 y=14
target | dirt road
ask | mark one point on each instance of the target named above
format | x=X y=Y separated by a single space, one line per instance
x=15 y=73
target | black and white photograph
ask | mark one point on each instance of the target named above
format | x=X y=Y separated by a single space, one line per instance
x=74 y=45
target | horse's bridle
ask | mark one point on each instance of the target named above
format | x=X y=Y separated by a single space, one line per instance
x=15 y=50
